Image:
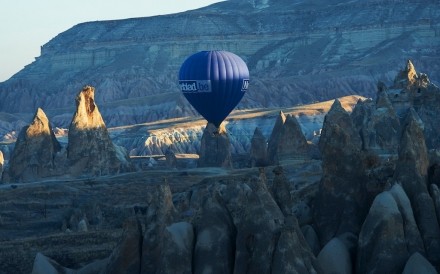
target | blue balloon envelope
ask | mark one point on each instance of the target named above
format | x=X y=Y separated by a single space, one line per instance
x=214 y=83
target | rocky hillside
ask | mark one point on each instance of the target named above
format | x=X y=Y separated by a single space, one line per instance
x=297 y=51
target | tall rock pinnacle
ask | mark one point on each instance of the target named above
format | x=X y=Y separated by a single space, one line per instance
x=90 y=148
x=34 y=152
x=215 y=147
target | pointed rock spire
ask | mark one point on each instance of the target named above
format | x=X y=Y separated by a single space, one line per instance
x=274 y=138
x=411 y=171
x=406 y=77
x=291 y=142
x=342 y=187
x=34 y=152
x=90 y=148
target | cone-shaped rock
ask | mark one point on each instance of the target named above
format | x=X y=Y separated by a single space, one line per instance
x=292 y=143
x=272 y=145
x=406 y=77
x=215 y=147
x=411 y=172
x=34 y=152
x=90 y=149
x=258 y=154
x=340 y=203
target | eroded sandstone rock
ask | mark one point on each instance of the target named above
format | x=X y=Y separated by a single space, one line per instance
x=215 y=147
x=35 y=151
x=341 y=202
x=411 y=172
x=90 y=149
x=287 y=140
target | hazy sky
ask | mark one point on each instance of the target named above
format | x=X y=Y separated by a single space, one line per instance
x=25 y=25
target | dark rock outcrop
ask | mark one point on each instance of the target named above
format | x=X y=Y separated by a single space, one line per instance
x=335 y=258
x=287 y=140
x=411 y=171
x=281 y=190
x=35 y=150
x=258 y=153
x=377 y=124
x=159 y=215
x=170 y=158
x=215 y=148
x=126 y=257
x=272 y=144
x=389 y=234
x=46 y=265
x=341 y=203
x=90 y=149
x=415 y=90
x=418 y=264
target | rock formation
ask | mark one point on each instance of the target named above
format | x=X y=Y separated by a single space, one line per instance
x=418 y=264
x=377 y=124
x=412 y=89
x=126 y=257
x=170 y=158
x=335 y=257
x=258 y=153
x=287 y=140
x=380 y=251
x=224 y=225
x=90 y=149
x=272 y=145
x=342 y=198
x=411 y=172
x=215 y=148
x=34 y=153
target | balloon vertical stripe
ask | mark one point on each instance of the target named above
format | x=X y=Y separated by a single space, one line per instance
x=214 y=83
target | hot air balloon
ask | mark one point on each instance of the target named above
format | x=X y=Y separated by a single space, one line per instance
x=214 y=83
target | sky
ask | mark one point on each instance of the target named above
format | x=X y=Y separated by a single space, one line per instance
x=26 y=25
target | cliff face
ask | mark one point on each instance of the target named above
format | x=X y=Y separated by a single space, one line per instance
x=315 y=50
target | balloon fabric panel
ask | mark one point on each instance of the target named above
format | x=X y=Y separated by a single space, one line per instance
x=214 y=83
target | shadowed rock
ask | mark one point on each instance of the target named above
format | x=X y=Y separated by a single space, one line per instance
x=335 y=258
x=287 y=140
x=258 y=153
x=126 y=257
x=341 y=202
x=272 y=145
x=45 y=265
x=411 y=172
x=418 y=264
x=34 y=152
x=170 y=157
x=90 y=149
x=415 y=90
x=382 y=252
x=215 y=147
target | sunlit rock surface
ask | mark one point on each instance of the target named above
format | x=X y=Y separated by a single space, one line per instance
x=34 y=152
x=90 y=149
